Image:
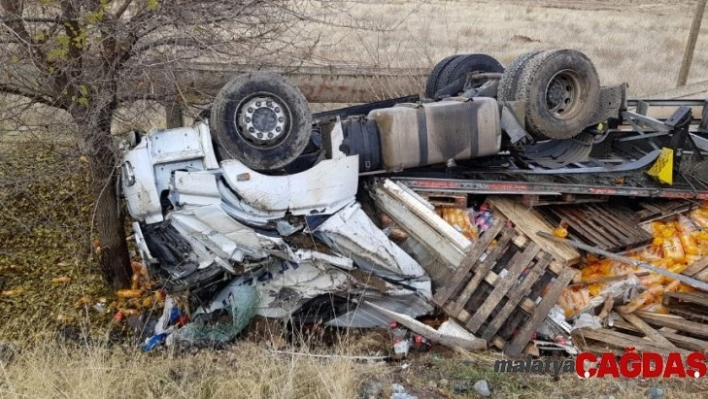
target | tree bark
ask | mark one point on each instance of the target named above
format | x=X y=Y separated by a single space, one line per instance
x=110 y=221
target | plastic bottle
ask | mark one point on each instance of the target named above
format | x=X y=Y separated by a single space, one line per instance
x=401 y=344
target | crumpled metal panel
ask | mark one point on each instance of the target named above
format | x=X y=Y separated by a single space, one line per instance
x=351 y=233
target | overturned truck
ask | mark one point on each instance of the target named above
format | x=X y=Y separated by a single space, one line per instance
x=262 y=192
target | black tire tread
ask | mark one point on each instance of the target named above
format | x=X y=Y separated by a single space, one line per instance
x=267 y=159
x=510 y=78
x=468 y=63
x=431 y=84
x=535 y=123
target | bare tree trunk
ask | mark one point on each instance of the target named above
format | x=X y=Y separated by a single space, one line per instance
x=115 y=263
x=110 y=222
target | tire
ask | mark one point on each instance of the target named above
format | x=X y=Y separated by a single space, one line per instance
x=561 y=89
x=458 y=66
x=512 y=74
x=261 y=120
x=431 y=86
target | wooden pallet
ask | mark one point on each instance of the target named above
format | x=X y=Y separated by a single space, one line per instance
x=698 y=270
x=660 y=208
x=530 y=222
x=689 y=305
x=600 y=225
x=495 y=292
x=644 y=331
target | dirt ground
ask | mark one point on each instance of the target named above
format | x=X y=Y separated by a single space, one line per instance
x=638 y=42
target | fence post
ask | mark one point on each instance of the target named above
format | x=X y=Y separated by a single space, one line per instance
x=691 y=44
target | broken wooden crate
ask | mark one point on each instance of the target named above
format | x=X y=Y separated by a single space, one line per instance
x=504 y=288
x=601 y=225
x=646 y=332
x=698 y=270
x=692 y=306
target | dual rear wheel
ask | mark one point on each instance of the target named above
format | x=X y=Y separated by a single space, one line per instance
x=265 y=122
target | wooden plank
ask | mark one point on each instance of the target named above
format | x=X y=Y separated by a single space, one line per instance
x=593 y=231
x=482 y=270
x=628 y=220
x=647 y=330
x=689 y=313
x=433 y=240
x=459 y=277
x=696 y=267
x=702 y=275
x=578 y=226
x=616 y=339
x=517 y=265
x=498 y=342
x=698 y=298
x=516 y=297
x=529 y=222
x=616 y=220
x=430 y=333
x=679 y=323
x=548 y=301
x=423 y=211
x=681 y=341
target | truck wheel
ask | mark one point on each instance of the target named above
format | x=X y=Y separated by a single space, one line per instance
x=431 y=85
x=561 y=89
x=457 y=67
x=261 y=120
x=510 y=78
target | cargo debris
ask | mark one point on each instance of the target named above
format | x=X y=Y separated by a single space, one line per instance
x=395 y=210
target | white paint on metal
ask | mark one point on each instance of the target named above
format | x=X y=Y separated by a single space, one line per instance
x=351 y=233
x=325 y=188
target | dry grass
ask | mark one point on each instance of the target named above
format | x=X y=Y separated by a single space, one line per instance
x=638 y=42
x=59 y=369
x=50 y=369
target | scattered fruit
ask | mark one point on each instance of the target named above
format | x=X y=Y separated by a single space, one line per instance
x=63 y=280
x=560 y=232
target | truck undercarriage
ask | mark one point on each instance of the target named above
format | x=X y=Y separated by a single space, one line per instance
x=263 y=193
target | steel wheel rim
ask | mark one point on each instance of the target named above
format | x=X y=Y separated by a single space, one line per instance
x=562 y=95
x=262 y=120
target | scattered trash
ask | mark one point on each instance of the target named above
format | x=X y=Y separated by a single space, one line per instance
x=482 y=388
x=461 y=388
x=484 y=219
x=449 y=333
x=655 y=393
x=399 y=392
x=401 y=342
x=370 y=389
x=239 y=306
